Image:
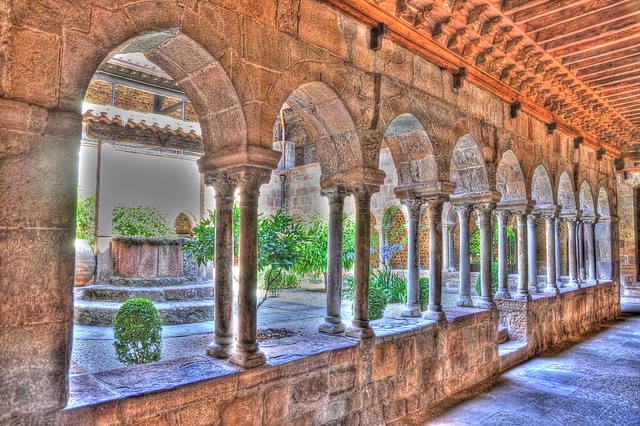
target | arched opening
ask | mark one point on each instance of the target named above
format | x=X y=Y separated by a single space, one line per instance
x=542 y=194
x=567 y=200
x=603 y=236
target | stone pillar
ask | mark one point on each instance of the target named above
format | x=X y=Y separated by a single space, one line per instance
x=591 y=251
x=557 y=249
x=532 y=257
x=523 y=284
x=452 y=249
x=412 y=309
x=552 y=287
x=435 y=267
x=248 y=353
x=332 y=321
x=360 y=327
x=223 y=291
x=581 y=257
x=503 y=283
x=446 y=248
x=465 y=278
x=483 y=211
x=571 y=245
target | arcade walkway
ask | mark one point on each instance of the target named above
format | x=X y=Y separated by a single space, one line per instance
x=594 y=381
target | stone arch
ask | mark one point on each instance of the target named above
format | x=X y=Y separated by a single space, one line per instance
x=412 y=151
x=468 y=169
x=586 y=199
x=510 y=179
x=330 y=126
x=541 y=189
x=566 y=194
x=184 y=223
x=603 y=207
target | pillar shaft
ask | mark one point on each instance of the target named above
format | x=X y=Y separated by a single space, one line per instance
x=247 y=353
x=557 y=251
x=571 y=245
x=465 y=276
x=503 y=284
x=552 y=286
x=483 y=211
x=532 y=256
x=435 y=266
x=591 y=251
x=414 y=206
x=523 y=284
x=452 y=250
x=446 y=249
x=360 y=327
x=581 y=257
x=332 y=321
x=223 y=291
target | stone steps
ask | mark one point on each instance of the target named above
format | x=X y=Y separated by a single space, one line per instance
x=101 y=313
x=503 y=335
x=105 y=292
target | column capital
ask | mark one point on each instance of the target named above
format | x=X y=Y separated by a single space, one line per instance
x=225 y=187
x=435 y=201
x=501 y=214
x=483 y=210
x=335 y=194
x=571 y=216
x=249 y=179
x=463 y=210
x=550 y=212
x=414 y=205
x=590 y=219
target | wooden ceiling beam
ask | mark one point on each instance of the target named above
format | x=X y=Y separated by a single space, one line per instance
x=596 y=42
x=593 y=31
x=619 y=86
x=604 y=54
x=607 y=67
x=515 y=6
x=616 y=94
x=613 y=79
x=625 y=101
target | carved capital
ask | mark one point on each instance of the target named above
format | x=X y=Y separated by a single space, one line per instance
x=250 y=179
x=335 y=194
x=225 y=187
x=414 y=205
x=463 y=210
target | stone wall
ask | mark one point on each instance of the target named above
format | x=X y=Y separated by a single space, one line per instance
x=627 y=211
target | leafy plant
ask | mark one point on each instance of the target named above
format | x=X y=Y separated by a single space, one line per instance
x=393 y=285
x=377 y=303
x=201 y=246
x=494 y=280
x=140 y=221
x=136 y=329
x=86 y=218
x=423 y=295
x=285 y=281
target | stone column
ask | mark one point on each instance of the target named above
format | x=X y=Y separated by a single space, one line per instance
x=435 y=267
x=464 y=299
x=532 y=254
x=223 y=291
x=452 y=249
x=332 y=321
x=503 y=283
x=446 y=248
x=571 y=245
x=248 y=353
x=581 y=257
x=556 y=230
x=591 y=251
x=360 y=327
x=552 y=287
x=523 y=284
x=483 y=211
x=412 y=309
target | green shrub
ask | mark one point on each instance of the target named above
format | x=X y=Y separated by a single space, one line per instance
x=423 y=295
x=136 y=329
x=377 y=303
x=494 y=280
x=284 y=281
x=347 y=287
x=140 y=221
x=86 y=218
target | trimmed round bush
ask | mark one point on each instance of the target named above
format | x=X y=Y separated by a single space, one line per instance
x=423 y=293
x=494 y=280
x=136 y=328
x=377 y=303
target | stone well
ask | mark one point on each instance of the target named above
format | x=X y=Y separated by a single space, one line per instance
x=153 y=268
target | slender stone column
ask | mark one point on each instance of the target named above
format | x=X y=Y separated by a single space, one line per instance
x=581 y=257
x=412 y=309
x=557 y=249
x=552 y=287
x=452 y=249
x=523 y=285
x=435 y=266
x=483 y=211
x=248 y=353
x=465 y=276
x=332 y=321
x=360 y=327
x=223 y=291
x=532 y=254
x=591 y=251
x=571 y=244
x=446 y=248
x=503 y=283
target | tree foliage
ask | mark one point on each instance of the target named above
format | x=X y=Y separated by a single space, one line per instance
x=136 y=328
x=140 y=221
x=86 y=218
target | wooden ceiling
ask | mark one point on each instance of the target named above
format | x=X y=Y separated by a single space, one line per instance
x=572 y=62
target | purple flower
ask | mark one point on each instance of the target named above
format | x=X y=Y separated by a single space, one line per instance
x=351 y=255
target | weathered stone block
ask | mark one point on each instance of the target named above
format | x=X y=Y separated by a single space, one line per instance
x=342 y=380
x=311 y=389
x=385 y=360
x=155 y=15
x=245 y=410
x=276 y=404
x=315 y=19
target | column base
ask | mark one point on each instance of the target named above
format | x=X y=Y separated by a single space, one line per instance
x=502 y=294
x=435 y=314
x=219 y=351
x=574 y=284
x=332 y=325
x=248 y=359
x=551 y=289
x=533 y=288
x=451 y=270
x=523 y=296
x=487 y=304
x=592 y=281
x=560 y=284
x=359 y=330
x=411 y=312
x=464 y=301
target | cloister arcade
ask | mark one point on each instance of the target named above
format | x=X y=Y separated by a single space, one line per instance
x=458 y=154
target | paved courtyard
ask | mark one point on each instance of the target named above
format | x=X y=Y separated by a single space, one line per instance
x=595 y=381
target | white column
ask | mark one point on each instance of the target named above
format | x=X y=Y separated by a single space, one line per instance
x=532 y=258
x=523 y=284
x=483 y=211
x=435 y=266
x=464 y=299
x=412 y=309
x=571 y=245
x=503 y=283
x=591 y=251
x=552 y=287
x=557 y=247
x=446 y=248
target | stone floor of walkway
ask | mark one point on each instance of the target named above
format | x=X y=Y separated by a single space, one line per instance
x=592 y=381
